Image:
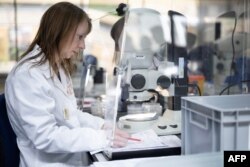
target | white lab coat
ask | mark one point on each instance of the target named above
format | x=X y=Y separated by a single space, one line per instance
x=51 y=131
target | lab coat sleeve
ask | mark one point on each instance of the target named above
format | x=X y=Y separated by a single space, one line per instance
x=29 y=98
x=88 y=120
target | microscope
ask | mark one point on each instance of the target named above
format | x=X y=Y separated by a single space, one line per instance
x=153 y=72
x=231 y=46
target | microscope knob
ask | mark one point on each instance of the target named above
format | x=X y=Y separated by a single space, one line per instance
x=138 y=81
x=162 y=126
x=164 y=82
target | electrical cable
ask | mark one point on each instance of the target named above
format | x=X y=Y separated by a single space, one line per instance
x=196 y=86
x=107 y=14
x=229 y=86
x=120 y=11
x=232 y=62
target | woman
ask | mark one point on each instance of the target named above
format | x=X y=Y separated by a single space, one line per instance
x=41 y=105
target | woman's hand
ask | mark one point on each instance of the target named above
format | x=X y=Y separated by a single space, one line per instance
x=120 y=138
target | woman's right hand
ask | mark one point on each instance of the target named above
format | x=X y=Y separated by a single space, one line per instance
x=120 y=138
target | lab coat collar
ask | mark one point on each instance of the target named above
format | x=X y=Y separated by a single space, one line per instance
x=65 y=85
x=45 y=67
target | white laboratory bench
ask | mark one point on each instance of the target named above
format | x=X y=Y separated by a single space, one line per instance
x=194 y=160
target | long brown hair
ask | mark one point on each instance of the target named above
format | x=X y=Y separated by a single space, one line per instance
x=56 y=25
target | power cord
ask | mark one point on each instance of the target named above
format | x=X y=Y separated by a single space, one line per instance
x=194 y=85
x=233 y=57
x=120 y=11
x=229 y=86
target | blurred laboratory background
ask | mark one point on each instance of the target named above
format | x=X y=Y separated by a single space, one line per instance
x=217 y=40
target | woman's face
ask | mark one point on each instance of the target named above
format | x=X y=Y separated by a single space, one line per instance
x=72 y=47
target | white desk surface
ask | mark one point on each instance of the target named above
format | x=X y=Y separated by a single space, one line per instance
x=194 y=160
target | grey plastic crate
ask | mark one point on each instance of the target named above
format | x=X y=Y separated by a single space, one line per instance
x=215 y=123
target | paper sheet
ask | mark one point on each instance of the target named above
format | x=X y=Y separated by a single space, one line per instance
x=149 y=139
